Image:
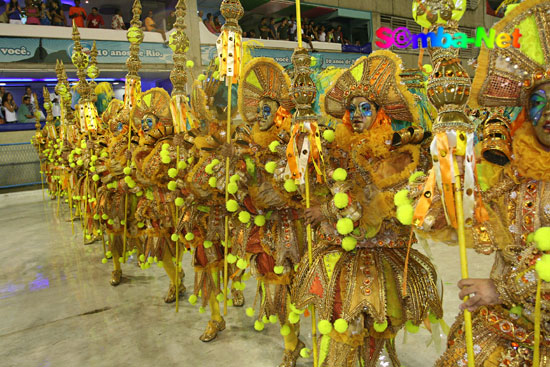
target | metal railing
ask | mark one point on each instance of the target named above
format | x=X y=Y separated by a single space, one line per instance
x=19 y=165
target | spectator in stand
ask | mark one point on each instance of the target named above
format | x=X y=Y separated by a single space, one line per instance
x=95 y=20
x=307 y=38
x=330 y=35
x=251 y=34
x=35 y=103
x=171 y=20
x=210 y=23
x=273 y=34
x=118 y=21
x=78 y=14
x=264 y=29
x=217 y=25
x=32 y=12
x=24 y=113
x=14 y=12
x=56 y=106
x=9 y=107
x=322 y=34
x=293 y=28
x=151 y=26
x=200 y=13
x=58 y=17
x=45 y=17
x=2 y=92
x=284 y=30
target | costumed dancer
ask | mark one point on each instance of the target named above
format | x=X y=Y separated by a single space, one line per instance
x=272 y=235
x=510 y=310
x=361 y=257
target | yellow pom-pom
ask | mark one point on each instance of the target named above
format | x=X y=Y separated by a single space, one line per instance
x=405 y=214
x=305 y=353
x=141 y=224
x=207 y=244
x=270 y=167
x=178 y=202
x=232 y=206
x=142 y=258
x=92 y=169
x=290 y=186
x=104 y=260
x=543 y=267
x=542 y=238
x=349 y=243
x=96 y=217
x=189 y=236
x=174 y=237
x=258 y=325
x=234 y=178
x=402 y=198
x=344 y=226
x=259 y=220
x=341 y=326
x=190 y=64
x=165 y=146
x=111 y=222
x=150 y=260
x=80 y=162
x=273 y=146
x=231 y=259
x=192 y=299
x=293 y=318
x=341 y=200
x=285 y=330
x=219 y=297
x=127 y=170
x=329 y=135
x=166 y=159
x=172 y=185
x=273 y=319
x=201 y=77
x=95 y=177
x=216 y=74
x=245 y=277
x=232 y=188
x=339 y=174
x=379 y=328
x=212 y=181
x=202 y=309
x=182 y=165
x=108 y=254
x=250 y=312
x=244 y=217
x=415 y=176
x=411 y=328
x=242 y=264
x=279 y=269
x=172 y=172
x=325 y=327
x=427 y=69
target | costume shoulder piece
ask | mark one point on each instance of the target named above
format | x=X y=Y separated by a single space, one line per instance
x=263 y=78
x=375 y=77
x=505 y=76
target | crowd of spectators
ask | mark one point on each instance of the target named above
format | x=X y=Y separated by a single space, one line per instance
x=284 y=29
x=29 y=108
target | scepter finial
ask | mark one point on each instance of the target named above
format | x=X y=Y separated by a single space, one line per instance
x=179 y=43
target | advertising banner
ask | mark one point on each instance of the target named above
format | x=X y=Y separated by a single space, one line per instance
x=44 y=50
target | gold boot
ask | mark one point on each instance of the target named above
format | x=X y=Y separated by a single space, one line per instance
x=212 y=330
x=116 y=277
x=238 y=298
x=291 y=356
x=171 y=295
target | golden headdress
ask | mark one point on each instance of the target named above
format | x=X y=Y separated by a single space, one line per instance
x=375 y=77
x=505 y=76
x=151 y=115
x=263 y=78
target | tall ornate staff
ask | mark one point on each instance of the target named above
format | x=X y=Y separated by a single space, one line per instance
x=229 y=46
x=131 y=92
x=304 y=123
x=178 y=106
x=448 y=91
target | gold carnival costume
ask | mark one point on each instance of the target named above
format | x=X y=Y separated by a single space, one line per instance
x=518 y=200
x=360 y=257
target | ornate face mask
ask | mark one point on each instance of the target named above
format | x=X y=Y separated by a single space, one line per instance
x=266 y=113
x=362 y=114
x=148 y=122
x=539 y=112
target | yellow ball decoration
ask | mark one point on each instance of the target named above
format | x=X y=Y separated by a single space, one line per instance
x=182 y=165
x=329 y=135
x=250 y=312
x=325 y=327
x=95 y=177
x=341 y=326
x=279 y=269
x=405 y=214
x=193 y=299
x=285 y=330
x=339 y=174
x=542 y=238
x=172 y=172
x=212 y=181
x=207 y=244
x=258 y=325
x=341 y=200
x=380 y=327
x=232 y=206
x=305 y=353
x=179 y=202
x=244 y=217
x=543 y=267
x=174 y=237
x=189 y=236
x=344 y=226
x=290 y=186
x=172 y=185
x=273 y=319
x=190 y=64
x=349 y=243
x=293 y=318
x=231 y=259
x=270 y=167
x=259 y=220
x=242 y=264
x=232 y=188
x=273 y=146
x=411 y=328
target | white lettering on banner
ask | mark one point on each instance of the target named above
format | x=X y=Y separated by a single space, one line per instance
x=152 y=53
x=15 y=51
